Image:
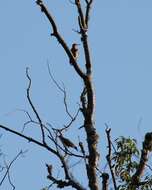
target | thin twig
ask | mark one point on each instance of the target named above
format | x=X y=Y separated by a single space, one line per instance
x=53 y=79
x=33 y=107
x=71 y=122
x=29 y=139
x=10 y=181
x=62 y=90
x=9 y=166
x=26 y=112
x=73 y=118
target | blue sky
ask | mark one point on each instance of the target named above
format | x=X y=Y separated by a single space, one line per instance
x=121 y=46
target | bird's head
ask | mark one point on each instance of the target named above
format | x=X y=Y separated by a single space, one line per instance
x=74 y=45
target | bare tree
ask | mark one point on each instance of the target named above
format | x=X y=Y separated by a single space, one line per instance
x=54 y=140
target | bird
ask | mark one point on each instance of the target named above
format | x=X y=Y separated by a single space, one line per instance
x=74 y=51
x=67 y=143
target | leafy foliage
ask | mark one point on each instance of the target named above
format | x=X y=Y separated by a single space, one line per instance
x=125 y=162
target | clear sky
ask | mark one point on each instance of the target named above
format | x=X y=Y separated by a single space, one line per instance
x=121 y=47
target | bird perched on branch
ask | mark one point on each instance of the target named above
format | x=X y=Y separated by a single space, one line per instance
x=67 y=143
x=74 y=51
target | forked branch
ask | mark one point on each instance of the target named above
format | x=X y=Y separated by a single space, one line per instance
x=60 y=39
x=8 y=167
x=33 y=107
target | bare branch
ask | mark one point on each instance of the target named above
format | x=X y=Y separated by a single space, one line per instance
x=70 y=123
x=26 y=112
x=29 y=139
x=68 y=176
x=72 y=182
x=92 y=137
x=83 y=32
x=53 y=79
x=108 y=130
x=33 y=107
x=87 y=14
x=9 y=166
x=73 y=118
x=62 y=90
x=80 y=12
x=60 y=39
x=61 y=183
x=10 y=181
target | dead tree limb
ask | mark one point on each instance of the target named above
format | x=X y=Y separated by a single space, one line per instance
x=92 y=137
x=109 y=157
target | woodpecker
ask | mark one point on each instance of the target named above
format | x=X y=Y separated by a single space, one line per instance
x=74 y=51
x=67 y=143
